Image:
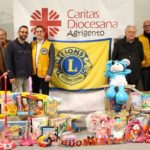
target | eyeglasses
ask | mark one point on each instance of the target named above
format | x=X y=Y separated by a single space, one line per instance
x=24 y=32
x=145 y=26
x=39 y=31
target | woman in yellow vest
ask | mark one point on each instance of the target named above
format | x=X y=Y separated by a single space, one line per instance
x=145 y=39
x=43 y=58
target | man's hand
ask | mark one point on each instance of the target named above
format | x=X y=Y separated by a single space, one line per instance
x=12 y=80
x=47 y=78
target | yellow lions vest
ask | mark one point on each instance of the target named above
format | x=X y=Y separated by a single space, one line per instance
x=43 y=59
x=146 y=49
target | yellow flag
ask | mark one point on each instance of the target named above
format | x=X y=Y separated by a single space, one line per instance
x=80 y=65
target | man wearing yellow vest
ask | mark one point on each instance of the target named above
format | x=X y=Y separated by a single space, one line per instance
x=145 y=39
x=43 y=57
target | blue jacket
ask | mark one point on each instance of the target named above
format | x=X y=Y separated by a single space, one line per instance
x=18 y=59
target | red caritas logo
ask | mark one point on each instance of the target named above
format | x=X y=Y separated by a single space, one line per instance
x=48 y=19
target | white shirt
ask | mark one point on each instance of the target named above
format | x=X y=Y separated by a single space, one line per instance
x=39 y=44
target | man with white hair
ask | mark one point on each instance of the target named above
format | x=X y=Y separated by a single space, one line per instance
x=145 y=39
x=130 y=48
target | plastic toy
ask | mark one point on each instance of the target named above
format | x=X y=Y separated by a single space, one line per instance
x=135 y=132
x=44 y=141
x=104 y=129
x=5 y=141
x=116 y=72
x=69 y=140
x=118 y=128
x=11 y=104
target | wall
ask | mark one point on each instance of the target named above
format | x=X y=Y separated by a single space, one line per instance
x=88 y=101
x=6 y=15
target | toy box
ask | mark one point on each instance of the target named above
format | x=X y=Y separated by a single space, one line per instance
x=11 y=106
x=62 y=124
x=38 y=123
x=51 y=107
x=145 y=106
x=17 y=128
x=30 y=104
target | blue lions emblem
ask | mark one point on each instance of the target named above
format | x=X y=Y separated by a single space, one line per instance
x=73 y=65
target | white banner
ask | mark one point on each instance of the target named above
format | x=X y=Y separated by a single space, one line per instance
x=75 y=19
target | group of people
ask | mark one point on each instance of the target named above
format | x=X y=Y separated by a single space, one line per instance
x=22 y=60
x=137 y=50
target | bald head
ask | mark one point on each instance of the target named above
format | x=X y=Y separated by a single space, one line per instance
x=146 y=26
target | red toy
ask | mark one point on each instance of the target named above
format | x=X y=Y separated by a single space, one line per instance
x=5 y=142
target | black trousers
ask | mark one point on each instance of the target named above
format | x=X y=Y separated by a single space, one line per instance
x=146 y=78
x=39 y=83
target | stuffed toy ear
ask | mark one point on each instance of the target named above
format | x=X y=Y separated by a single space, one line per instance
x=126 y=61
x=109 y=63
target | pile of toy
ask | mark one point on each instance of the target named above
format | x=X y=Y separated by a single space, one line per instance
x=117 y=126
x=29 y=118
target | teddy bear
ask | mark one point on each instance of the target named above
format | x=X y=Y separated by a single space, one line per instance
x=116 y=71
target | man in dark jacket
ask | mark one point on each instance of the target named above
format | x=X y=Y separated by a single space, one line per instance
x=130 y=48
x=18 y=60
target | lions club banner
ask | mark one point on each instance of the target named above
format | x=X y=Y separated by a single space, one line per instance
x=80 y=65
x=75 y=19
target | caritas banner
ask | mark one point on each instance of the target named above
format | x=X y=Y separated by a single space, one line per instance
x=75 y=19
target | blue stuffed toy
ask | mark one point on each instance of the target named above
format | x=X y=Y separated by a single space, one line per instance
x=116 y=72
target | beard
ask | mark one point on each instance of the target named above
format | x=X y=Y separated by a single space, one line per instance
x=23 y=37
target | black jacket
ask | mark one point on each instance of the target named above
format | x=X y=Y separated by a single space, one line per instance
x=18 y=59
x=132 y=51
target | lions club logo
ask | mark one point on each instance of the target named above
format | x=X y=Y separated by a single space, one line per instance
x=73 y=65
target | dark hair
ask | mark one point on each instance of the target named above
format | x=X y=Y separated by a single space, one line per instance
x=40 y=27
x=23 y=26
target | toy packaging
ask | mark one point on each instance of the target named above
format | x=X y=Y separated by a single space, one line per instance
x=37 y=124
x=17 y=128
x=95 y=120
x=135 y=132
x=104 y=128
x=11 y=104
x=145 y=106
x=51 y=107
x=135 y=102
x=62 y=124
x=118 y=129
x=34 y=102
x=22 y=104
